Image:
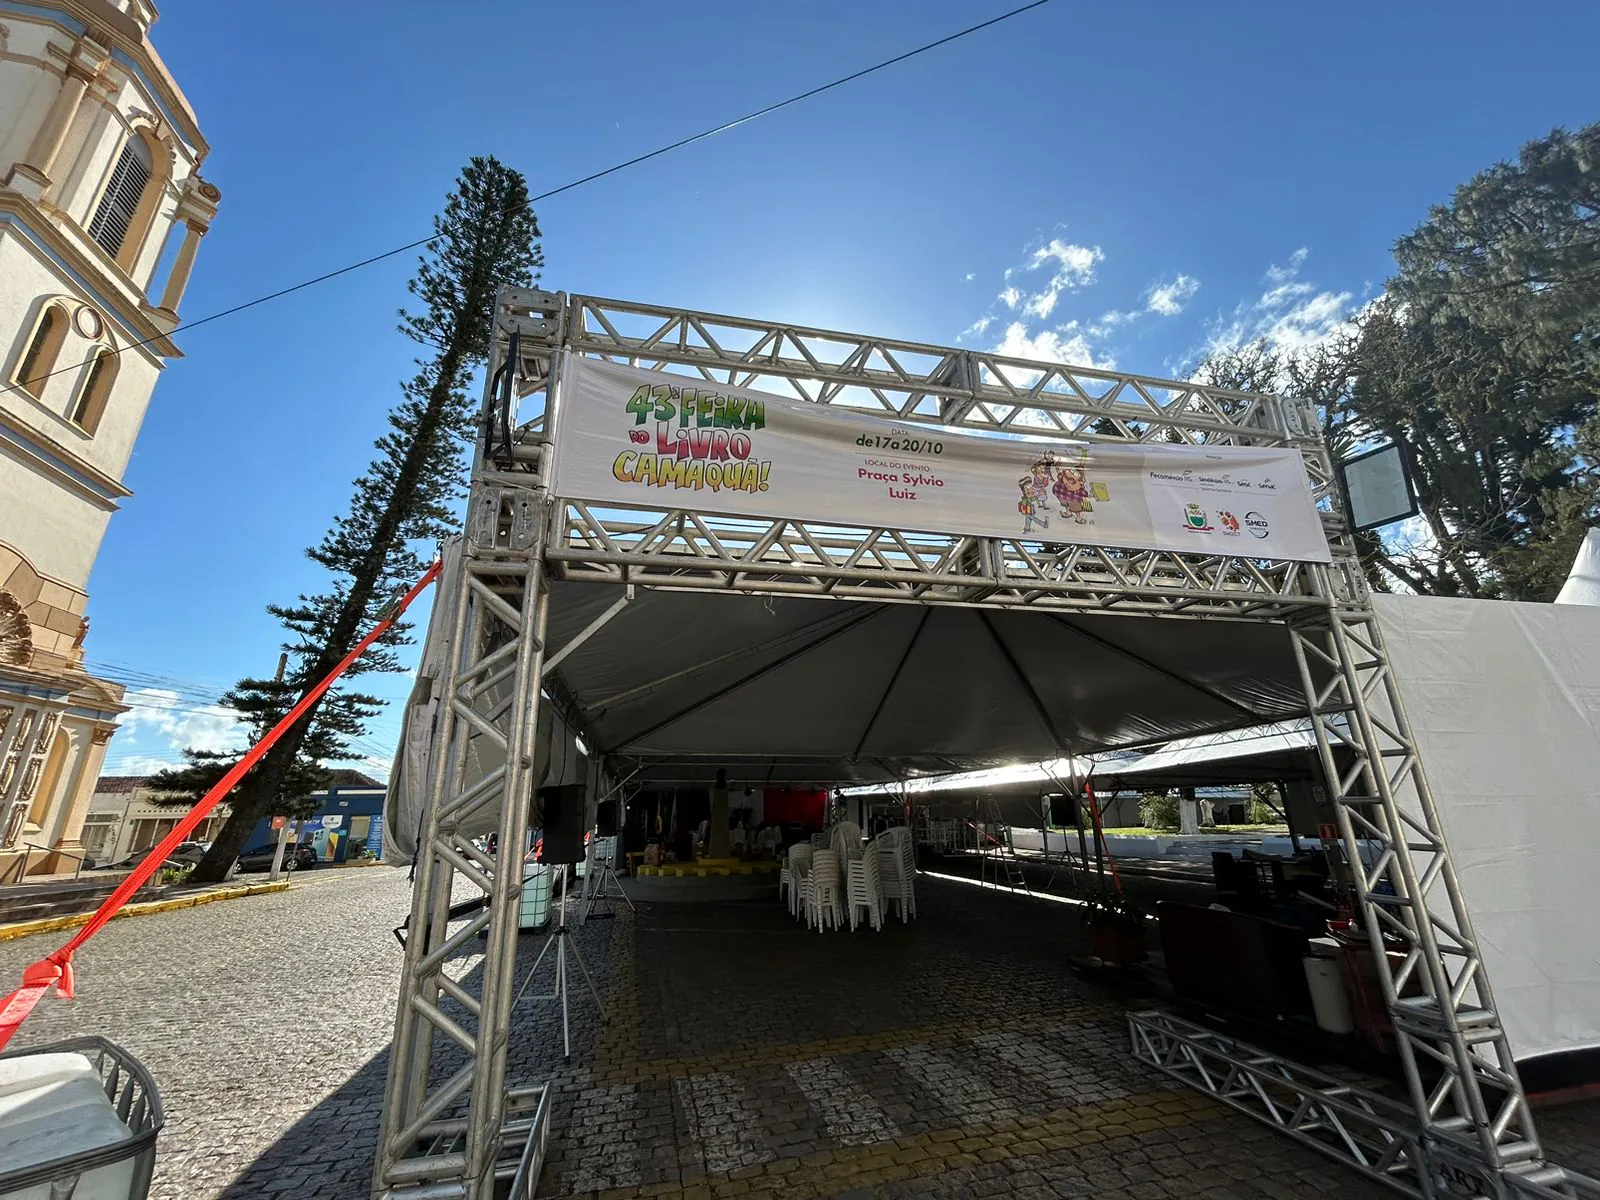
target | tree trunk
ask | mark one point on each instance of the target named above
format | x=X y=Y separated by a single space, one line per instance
x=260 y=793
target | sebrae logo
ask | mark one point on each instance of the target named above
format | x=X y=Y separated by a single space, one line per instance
x=1230 y=523
x=1194 y=519
x=1256 y=524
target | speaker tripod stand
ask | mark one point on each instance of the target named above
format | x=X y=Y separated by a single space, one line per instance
x=599 y=880
x=559 y=937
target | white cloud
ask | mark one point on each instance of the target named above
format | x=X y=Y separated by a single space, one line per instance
x=161 y=724
x=1076 y=263
x=138 y=764
x=1049 y=345
x=977 y=329
x=1292 y=315
x=1042 y=305
x=1290 y=269
x=1168 y=299
x=970 y=276
x=1074 y=268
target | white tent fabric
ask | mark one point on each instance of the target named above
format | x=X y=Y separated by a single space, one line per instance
x=1504 y=703
x=558 y=757
x=804 y=690
x=1583 y=582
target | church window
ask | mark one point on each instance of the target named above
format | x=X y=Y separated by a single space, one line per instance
x=96 y=390
x=119 y=204
x=39 y=359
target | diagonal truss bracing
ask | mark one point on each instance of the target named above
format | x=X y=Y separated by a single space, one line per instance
x=452 y=1126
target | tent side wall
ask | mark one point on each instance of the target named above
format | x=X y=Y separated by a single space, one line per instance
x=1504 y=704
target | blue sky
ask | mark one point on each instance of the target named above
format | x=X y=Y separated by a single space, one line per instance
x=1154 y=177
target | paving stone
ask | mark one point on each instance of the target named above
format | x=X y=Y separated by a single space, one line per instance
x=957 y=1056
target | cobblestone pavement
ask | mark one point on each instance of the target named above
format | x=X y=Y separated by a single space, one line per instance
x=956 y=1056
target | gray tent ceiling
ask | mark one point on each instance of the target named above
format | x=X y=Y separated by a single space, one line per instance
x=819 y=691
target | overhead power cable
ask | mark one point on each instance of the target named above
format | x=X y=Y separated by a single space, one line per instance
x=185 y=326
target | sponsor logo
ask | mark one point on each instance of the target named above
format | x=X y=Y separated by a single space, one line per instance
x=1229 y=522
x=1195 y=520
x=1256 y=524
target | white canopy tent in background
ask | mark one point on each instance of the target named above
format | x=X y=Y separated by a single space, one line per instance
x=1583 y=583
x=559 y=748
x=1504 y=702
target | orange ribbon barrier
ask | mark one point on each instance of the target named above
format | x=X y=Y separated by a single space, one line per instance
x=55 y=969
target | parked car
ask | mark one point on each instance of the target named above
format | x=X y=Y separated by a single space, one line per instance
x=294 y=857
x=189 y=852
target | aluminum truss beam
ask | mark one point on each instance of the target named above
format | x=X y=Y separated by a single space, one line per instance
x=451 y=1126
x=1370 y=1133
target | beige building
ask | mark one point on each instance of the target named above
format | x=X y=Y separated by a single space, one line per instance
x=124 y=819
x=102 y=209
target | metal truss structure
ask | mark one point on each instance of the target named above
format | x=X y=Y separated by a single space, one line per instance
x=451 y=1125
x=1370 y=1133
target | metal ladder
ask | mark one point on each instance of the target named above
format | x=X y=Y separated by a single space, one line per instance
x=1004 y=853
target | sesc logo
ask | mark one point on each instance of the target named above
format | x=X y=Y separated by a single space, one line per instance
x=1256 y=524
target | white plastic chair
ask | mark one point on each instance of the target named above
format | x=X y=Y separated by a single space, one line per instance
x=898 y=870
x=864 y=890
x=823 y=892
x=846 y=841
x=792 y=877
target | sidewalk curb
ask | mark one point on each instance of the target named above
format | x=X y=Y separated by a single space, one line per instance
x=22 y=929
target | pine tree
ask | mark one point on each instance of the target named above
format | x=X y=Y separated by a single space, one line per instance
x=486 y=237
x=261 y=704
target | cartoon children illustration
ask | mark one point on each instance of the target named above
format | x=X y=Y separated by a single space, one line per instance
x=1039 y=478
x=1072 y=493
x=1030 y=508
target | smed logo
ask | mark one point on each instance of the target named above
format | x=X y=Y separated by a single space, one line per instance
x=1256 y=524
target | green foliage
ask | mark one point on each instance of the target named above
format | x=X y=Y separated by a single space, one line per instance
x=1259 y=809
x=1483 y=359
x=171 y=876
x=1159 y=810
x=1109 y=907
x=261 y=704
x=485 y=237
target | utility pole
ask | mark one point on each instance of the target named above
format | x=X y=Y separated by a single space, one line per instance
x=283 y=830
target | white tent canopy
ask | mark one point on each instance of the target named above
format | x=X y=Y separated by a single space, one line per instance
x=1583 y=583
x=816 y=691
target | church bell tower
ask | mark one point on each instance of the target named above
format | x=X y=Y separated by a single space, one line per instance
x=102 y=209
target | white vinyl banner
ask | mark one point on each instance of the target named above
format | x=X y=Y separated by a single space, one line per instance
x=652 y=440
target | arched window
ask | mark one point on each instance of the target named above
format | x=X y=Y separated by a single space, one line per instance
x=119 y=205
x=39 y=359
x=96 y=390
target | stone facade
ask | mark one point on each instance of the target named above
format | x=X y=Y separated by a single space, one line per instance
x=102 y=208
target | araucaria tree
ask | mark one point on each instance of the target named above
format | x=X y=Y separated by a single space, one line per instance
x=486 y=237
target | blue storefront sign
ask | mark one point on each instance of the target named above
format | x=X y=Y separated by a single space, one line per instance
x=375 y=837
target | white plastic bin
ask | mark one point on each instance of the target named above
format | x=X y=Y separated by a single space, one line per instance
x=1325 y=977
x=84 y=1110
x=534 y=910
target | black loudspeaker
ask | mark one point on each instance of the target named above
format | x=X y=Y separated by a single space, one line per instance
x=1064 y=811
x=561 y=811
x=605 y=819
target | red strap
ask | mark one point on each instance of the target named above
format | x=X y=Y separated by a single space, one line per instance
x=1094 y=813
x=55 y=969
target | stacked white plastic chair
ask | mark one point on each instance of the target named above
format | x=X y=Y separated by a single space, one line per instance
x=846 y=841
x=864 y=890
x=822 y=891
x=897 y=865
x=791 y=879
